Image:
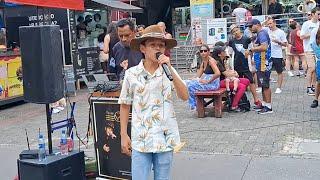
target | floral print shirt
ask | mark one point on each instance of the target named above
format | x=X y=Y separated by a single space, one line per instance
x=154 y=126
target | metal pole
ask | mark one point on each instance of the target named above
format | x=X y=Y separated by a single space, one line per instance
x=130 y=12
x=49 y=129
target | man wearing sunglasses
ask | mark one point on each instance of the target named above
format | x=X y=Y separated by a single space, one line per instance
x=307 y=36
x=262 y=58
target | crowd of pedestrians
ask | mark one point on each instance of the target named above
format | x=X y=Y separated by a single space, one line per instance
x=262 y=48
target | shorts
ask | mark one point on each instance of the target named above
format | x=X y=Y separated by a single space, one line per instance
x=232 y=79
x=264 y=79
x=278 y=64
x=248 y=75
x=318 y=71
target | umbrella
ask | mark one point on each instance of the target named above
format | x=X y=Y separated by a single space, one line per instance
x=65 y=4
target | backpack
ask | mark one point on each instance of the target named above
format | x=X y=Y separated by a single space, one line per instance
x=244 y=103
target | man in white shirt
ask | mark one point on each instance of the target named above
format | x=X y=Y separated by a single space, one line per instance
x=240 y=14
x=306 y=35
x=278 y=39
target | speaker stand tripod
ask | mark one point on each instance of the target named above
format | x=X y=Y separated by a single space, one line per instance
x=49 y=128
x=52 y=126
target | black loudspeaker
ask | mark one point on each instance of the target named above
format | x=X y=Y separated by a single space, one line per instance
x=41 y=54
x=60 y=167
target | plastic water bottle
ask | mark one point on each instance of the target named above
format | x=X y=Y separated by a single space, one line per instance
x=63 y=143
x=42 y=148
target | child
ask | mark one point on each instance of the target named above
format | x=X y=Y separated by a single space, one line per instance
x=148 y=92
x=233 y=79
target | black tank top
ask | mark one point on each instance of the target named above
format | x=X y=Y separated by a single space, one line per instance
x=208 y=69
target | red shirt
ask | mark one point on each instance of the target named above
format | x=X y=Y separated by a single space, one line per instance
x=296 y=42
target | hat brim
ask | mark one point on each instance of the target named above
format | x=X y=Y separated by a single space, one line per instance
x=135 y=43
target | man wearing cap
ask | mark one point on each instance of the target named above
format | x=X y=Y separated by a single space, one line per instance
x=240 y=46
x=154 y=132
x=261 y=55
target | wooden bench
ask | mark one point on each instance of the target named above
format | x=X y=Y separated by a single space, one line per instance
x=216 y=99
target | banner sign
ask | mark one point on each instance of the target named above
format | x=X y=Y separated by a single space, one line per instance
x=106 y=120
x=201 y=8
x=216 y=30
x=87 y=62
x=65 y=4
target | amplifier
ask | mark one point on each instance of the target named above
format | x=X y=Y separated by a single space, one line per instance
x=54 y=167
x=29 y=154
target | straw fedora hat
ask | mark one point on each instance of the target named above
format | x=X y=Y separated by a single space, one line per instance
x=153 y=31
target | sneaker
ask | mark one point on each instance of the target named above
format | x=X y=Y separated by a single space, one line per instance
x=290 y=74
x=314 y=104
x=301 y=73
x=259 y=90
x=278 y=91
x=265 y=110
x=310 y=92
x=257 y=106
x=235 y=109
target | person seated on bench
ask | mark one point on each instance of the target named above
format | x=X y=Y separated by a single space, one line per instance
x=220 y=55
x=207 y=76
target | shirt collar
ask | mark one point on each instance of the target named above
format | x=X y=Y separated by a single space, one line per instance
x=143 y=71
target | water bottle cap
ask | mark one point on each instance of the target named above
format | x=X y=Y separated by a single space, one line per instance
x=40 y=136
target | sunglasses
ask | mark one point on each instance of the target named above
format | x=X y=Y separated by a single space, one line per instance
x=250 y=26
x=308 y=14
x=201 y=51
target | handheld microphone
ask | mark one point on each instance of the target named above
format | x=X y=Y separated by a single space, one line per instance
x=165 y=67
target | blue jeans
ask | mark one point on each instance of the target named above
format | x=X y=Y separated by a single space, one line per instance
x=142 y=163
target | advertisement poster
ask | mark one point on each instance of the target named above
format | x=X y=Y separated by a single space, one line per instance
x=196 y=28
x=216 y=30
x=10 y=77
x=201 y=8
x=87 y=62
x=106 y=120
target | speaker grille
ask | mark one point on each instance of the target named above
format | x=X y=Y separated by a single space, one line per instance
x=41 y=63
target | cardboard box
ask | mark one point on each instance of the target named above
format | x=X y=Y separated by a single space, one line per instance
x=15 y=87
x=3 y=84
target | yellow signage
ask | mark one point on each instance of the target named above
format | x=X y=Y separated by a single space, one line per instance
x=199 y=2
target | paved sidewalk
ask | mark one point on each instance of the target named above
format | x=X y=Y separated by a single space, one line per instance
x=292 y=123
x=188 y=166
x=282 y=145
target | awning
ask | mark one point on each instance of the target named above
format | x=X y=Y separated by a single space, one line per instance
x=65 y=4
x=118 y=5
